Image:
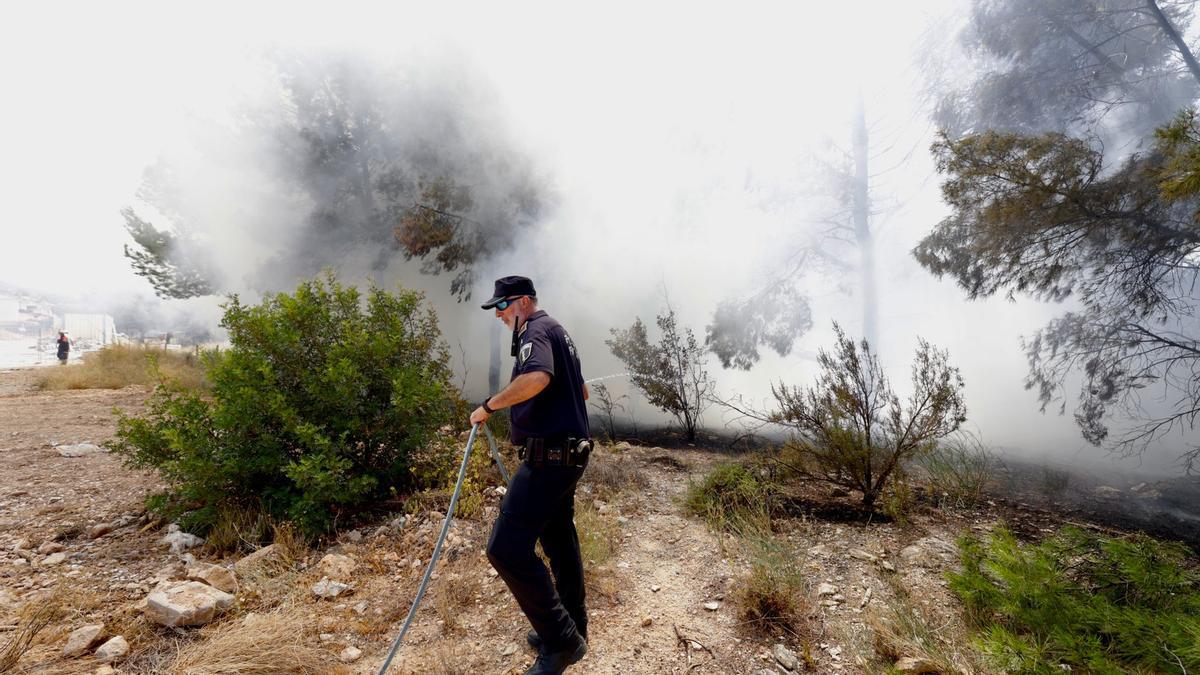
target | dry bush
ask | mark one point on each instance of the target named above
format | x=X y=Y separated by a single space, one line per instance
x=122 y=365
x=902 y=629
x=772 y=599
x=455 y=593
x=610 y=474
x=238 y=529
x=271 y=643
x=451 y=661
x=959 y=469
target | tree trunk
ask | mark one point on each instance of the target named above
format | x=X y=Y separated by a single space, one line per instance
x=494 y=361
x=862 y=227
x=1173 y=34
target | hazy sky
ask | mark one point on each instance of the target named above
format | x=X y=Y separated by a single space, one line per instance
x=666 y=128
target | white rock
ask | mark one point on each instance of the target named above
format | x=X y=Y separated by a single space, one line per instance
x=786 y=657
x=53 y=559
x=712 y=605
x=326 y=588
x=254 y=559
x=82 y=639
x=826 y=589
x=914 y=666
x=79 y=450
x=508 y=650
x=337 y=566
x=214 y=575
x=862 y=555
x=112 y=651
x=187 y=603
x=350 y=654
x=181 y=541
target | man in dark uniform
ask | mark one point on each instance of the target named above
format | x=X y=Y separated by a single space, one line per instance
x=64 y=347
x=550 y=426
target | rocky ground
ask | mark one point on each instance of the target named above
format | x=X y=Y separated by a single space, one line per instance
x=74 y=536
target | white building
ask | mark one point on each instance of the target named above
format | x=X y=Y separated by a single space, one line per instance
x=10 y=309
x=96 y=328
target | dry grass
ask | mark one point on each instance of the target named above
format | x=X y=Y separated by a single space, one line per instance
x=610 y=474
x=34 y=618
x=598 y=535
x=455 y=593
x=271 y=643
x=902 y=629
x=771 y=599
x=121 y=365
x=451 y=661
x=275 y=580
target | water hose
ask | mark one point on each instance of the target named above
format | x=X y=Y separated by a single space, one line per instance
x=437 y=548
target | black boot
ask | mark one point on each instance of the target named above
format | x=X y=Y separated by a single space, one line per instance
x=535 y=640
x=555 y=663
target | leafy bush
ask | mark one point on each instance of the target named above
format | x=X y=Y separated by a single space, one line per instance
x=122 y=365
x=315 y=409
x=731 y=496
x=671 y=373
x=1100 y=604
x=851 y=429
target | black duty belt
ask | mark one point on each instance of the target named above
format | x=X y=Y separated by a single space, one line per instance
x=539 y=452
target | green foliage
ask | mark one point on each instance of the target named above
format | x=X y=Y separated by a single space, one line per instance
x=1100 y=604
x=1058 y=65
x=1043 y=216
x=167 y=260
x=315 y=409
x=1179 y=143
x=775 y=317
x=731 y=496
x=671 y=373
x=850 y=429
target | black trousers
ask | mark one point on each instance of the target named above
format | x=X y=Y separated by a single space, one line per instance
x=540 y=506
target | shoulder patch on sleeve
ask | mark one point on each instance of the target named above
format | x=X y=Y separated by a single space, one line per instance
x=526 y=350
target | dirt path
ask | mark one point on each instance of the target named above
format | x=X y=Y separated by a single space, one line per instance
x=649 y=604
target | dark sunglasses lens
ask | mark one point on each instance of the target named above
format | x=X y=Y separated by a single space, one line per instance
x=503 y=305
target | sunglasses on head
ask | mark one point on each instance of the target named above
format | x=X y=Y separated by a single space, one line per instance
x=503 y=304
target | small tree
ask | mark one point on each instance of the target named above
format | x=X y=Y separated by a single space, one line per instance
x=602 y=399
x=670 y=374
x=851 y=430
x=316 y=409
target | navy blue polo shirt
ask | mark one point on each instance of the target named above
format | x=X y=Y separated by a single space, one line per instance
x=558 y=411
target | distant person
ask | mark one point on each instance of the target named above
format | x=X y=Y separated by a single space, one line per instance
x=64 y=347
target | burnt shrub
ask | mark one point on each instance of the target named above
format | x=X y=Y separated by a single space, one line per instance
x=315 y=409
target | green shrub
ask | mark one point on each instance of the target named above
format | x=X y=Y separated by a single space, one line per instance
x=1099 y=604
x=731 y=497
x=314 y=410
